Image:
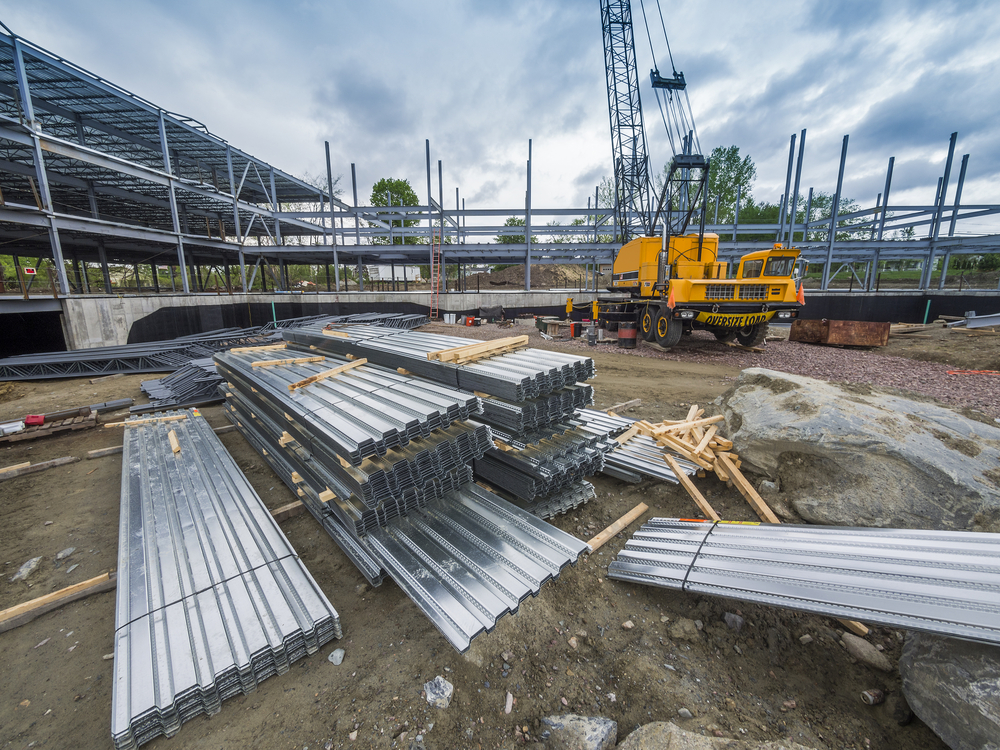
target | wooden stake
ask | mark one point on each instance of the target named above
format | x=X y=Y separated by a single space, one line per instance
x=20 y=614
x=174 y=445
x=14 y=467
x=338 y=334
x=623 y=406
x=627 y=435
x=687 y=484
x=601 y=539
x=285 y=439
x=287 y=511
x=102 y=452
x=33 y=468
x=269 y=347
x=746 y=489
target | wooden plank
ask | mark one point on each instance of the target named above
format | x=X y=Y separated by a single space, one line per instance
x=692 y=413
x=288 y=511
x=20 y=614
x=107 y=377
x=285 y=439
x=678 y=446
x=102 y=452
x=683 y=426
x=269 y=347
x=624 y=405
x=756 y=349
x=720 y=472
x=601 y=539
x=687 y=484
x=403 y=371
x=34 y=468
x=338 y=334
x=627 y=435
x=174 y=445
x=478 y=351
x=14 y=467
x=746 y=489
x=151 y=420
x=327 y=374
x=703 y=443
x=327 y=495
x=292 y=361
x=296 y=477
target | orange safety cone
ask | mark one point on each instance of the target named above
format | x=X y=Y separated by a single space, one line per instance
x=801 y=296
x=670 y=298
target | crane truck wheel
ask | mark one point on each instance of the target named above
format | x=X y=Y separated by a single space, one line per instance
x=668 y=330
x=725 y=335
x=647 y=323
x=752 y=335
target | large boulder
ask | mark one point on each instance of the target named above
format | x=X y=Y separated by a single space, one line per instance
x=954 y=687
x=664 y=735
x=856 y=456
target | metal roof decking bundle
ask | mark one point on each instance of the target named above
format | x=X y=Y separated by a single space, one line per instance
x=194 y=384
x=361 y=412
x=465 y=558
x=211 y=597
x=565 y=500
x=380 y=488
x=943 y=582
x=517 y=376
x=520 y=417
x=470 y=558
x=638 y=456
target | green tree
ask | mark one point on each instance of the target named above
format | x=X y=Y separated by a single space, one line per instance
x=989 y=262
x=505 y=238
x=822 y=207
x=727 y=173
x=391 y=191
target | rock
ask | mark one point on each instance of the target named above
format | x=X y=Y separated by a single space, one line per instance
x=866 y=653
x=439 y=692
x=660 y=735
x=628 y=625
x=72 y=567
x=573 y=643
x=954 y=687
x=336 y=656
x=353 y=735
x=855 y=456
x=684 y=630
x=735 y=622
x=108 y=657
x=509 y=705
x=573 y=732
x=897 y=706
x=26 y=570
x=684 y=713
x=806 y=639
x=65 y=553
x=768 y=488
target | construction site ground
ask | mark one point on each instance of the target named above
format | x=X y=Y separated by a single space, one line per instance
x=760 y=682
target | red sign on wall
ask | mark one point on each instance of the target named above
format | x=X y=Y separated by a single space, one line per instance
x=28 y=271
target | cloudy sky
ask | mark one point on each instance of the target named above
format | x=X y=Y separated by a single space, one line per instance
x=480 y=78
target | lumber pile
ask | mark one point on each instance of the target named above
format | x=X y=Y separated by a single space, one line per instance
x=696 y=438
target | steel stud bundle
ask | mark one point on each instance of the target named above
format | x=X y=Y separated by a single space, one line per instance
x=194 y=384
x=211 y=597
x=944 y=582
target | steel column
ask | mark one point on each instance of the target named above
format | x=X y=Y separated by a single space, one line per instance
x=236 y=220
x=936 y=223
x=795 y=191
x=527 y=227
x=834 y=209
x=333 y=221
x=174 y=214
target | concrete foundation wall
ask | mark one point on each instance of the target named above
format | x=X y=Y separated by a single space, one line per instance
x=107 y=320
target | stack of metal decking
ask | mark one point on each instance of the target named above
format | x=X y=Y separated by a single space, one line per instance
x=211 y=597
x=382 y=460
x=637 y=457
x=194 y=384
x=514 y=376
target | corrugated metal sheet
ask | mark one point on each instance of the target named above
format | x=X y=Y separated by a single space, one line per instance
x=944 y=582
x=211 y=597
x=521 y=375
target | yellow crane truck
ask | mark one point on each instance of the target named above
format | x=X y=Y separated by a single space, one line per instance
x=687 y=288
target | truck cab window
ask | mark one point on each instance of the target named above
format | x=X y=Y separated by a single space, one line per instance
x=779 y=266
x=752 y=268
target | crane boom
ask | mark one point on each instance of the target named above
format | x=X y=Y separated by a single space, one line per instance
x=628 y=139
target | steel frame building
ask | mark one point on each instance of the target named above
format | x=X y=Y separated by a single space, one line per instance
x=93 y=174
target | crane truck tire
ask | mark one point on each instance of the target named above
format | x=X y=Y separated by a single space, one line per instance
x=647 y=323
x=725 y=335
x=668 y=331
x=752 y=335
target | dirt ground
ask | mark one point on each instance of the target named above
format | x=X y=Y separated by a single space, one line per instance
x=758 y=683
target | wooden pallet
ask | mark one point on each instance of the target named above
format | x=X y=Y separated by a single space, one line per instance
x=49 y=428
